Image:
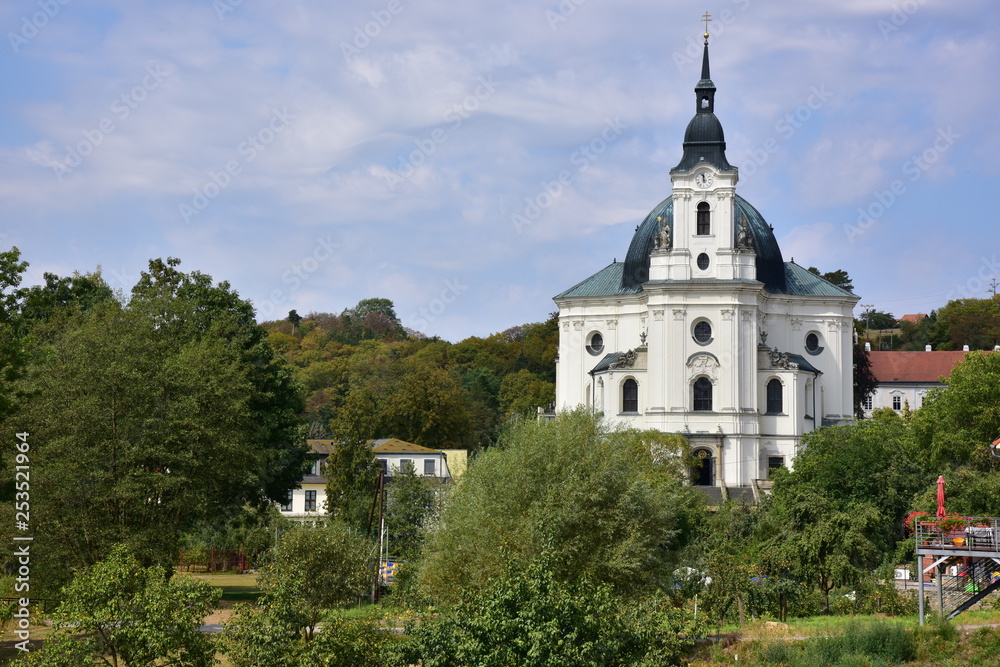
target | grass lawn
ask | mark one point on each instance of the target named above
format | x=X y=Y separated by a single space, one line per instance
x=813 y=626
x=235 y=587
x=968 y=639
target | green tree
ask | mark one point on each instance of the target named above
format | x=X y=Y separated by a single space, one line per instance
x=865 y=382
x=149 y=417
x=838 y=278
x=188 y=306
x=874 y=320
x=351 y=473
x=12 y=354
x=417 y=398
x=528 y=617
x=251 y=528
x=866 y=462
x=119 y=613
x=826 y=545
x=261 y=636
x=312 y=570
x=42 y=302
x=523 y=392
x=409 y=503
x=958 y=422
x=294 y=318
x=607 y=503
x=972 y=322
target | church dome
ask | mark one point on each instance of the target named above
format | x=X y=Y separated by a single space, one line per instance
x=770 y=264
x=704 y=128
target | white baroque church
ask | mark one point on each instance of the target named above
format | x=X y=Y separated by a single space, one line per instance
x=705 y=330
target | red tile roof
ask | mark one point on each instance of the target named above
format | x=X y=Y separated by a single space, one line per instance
x=914 y=366
x=914 y=317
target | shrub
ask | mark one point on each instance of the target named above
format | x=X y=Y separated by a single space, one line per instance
x=528 y=618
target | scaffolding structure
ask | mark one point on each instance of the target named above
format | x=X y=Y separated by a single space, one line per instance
x=962 y=557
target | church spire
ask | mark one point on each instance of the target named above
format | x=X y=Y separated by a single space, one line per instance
x=704 y=140
x=705 y=90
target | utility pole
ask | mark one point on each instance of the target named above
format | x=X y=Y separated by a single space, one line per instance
x=993 y=287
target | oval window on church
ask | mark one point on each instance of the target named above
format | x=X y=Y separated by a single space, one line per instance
x=703 y=332
x=702 y=261
x=596 y=344
x=812 y=344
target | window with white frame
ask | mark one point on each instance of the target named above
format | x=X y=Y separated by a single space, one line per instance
x=868 y=401
x=897 y=402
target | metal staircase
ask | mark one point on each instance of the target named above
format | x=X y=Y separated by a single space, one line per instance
x=972 y=547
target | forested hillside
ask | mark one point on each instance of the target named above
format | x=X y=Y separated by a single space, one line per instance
x=364 y=376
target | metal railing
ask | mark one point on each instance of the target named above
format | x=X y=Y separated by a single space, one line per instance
x=959 y=534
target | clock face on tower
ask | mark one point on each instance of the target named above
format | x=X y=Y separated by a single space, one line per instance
x=703 y=179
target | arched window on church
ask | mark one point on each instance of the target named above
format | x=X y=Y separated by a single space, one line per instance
x=630 y=396
x=703 y=395
x=704 y=219
x=774 y=397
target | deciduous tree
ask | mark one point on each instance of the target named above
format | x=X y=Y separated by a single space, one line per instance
x=607 y=503
x=149 y=416
x=957 y=422
x=409 y=503
x=119 y=613
x=865 y=382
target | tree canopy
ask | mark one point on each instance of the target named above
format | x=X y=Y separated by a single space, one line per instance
x=838 y=278
x=603 y=502
x=149 y=416
x=119 y=612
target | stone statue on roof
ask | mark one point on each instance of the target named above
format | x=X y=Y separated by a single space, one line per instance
x=743 y=236
x=663 y=239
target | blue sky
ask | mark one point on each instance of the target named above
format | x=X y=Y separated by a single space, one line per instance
x=471 y=160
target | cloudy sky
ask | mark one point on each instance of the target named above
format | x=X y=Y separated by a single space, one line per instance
x=471 y=160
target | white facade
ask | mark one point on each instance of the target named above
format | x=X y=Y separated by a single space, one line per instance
x=905 y=378
x=308 y=499
x=688 y=334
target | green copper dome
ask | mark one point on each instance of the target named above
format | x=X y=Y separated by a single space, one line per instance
x=769 y=262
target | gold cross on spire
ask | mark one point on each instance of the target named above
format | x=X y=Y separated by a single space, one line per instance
x=706 y=17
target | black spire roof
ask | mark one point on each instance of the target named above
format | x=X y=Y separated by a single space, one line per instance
x=704 y=140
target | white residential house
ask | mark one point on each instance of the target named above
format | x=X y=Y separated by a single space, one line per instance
x=904 y=378
x=308 y=499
